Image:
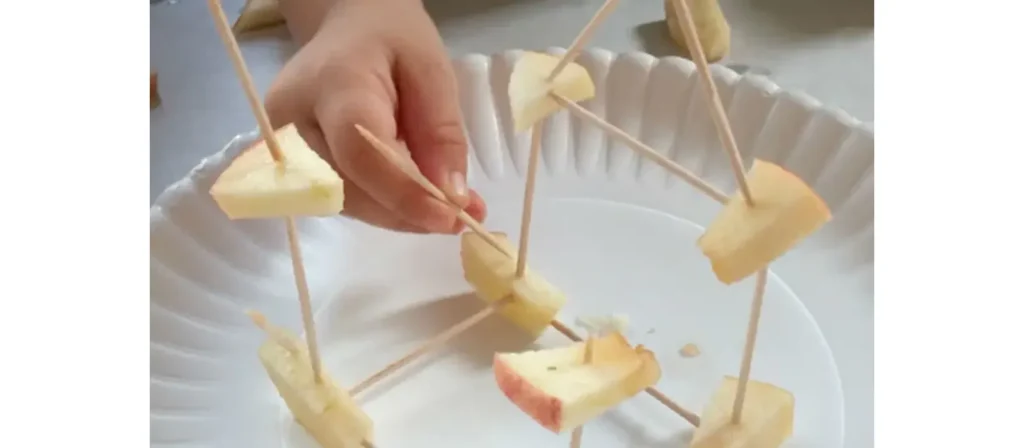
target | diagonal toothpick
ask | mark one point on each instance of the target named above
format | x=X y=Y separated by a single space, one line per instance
x=736 y=160
x=267 y=131
x=406 y=166
x=531 y=174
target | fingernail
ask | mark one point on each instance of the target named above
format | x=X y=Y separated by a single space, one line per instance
x=457 y=186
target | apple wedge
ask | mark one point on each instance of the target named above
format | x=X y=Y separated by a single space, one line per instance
x=766 y=422
x=327 y=412
x=529 y=89
x=254 y=186
x=257 y=14
x=560 y=391
x=491 y=272
x=712 y=29
x=743 y=239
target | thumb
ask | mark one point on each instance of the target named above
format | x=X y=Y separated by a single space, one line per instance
x=431 y=119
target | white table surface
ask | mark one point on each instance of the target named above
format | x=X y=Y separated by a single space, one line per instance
x=823 y=47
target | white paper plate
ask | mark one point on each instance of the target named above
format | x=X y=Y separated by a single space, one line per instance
x=613 y=230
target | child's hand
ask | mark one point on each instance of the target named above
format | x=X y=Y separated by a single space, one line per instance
x=381 y=64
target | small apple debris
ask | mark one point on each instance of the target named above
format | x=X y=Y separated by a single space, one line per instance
x=690 y=351
x=325 y=411
x=529 y=90
x=712 y=28
x=766 y=422
x=535 y=302
x=154 y=92
x=561 y=391
x=743 y=239
x=257 y=15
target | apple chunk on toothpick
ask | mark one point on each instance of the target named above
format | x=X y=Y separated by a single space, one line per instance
x=326 y=411
x=529 y=89
x=743 y=239
x=257 y=186
x=534 y=302
x=561 y=391
x=767 y=417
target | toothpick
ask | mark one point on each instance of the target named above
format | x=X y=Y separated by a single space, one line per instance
x=224 y=29
x=721 y=119
x=582 y=38
x=588 y=357
x=531 y=182
x=430 y=345
x=694 y=419
x=411 y=171
x=748 y=349
x=640 y=147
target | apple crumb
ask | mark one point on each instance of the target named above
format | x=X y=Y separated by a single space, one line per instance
x=690 y=351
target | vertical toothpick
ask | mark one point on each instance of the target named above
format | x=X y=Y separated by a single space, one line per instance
x=732 y=150
x=267 y=131
x=748 y=348
x=581 y=39
x=531 y=182
x=531 y=173
x=588 y=357
x=224 y=29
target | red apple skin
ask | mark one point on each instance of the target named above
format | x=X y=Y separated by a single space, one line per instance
x=544 y=409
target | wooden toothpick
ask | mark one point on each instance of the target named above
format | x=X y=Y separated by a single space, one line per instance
x=242 y=71
x=583 y=37
x=267 y=131
x=721 y=119
x=531 y=182
x=588 y=357
x=748 y=349
x=531 y=177
x=473 y=224
x=430 y=345
x=638 y=146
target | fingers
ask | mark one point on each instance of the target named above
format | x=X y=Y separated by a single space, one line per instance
x=431 y=118
x=370 y=171
x=358 y=204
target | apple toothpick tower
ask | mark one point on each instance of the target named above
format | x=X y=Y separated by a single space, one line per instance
x=281 y=177
x=498 y=273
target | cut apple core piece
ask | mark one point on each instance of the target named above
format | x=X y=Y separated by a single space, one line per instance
x=529 y=90
x=255 y=186
x=327 y=412
x=560 y=391
x=258 y=14
x=534 y=302
x=743 y=239
x=766 y=421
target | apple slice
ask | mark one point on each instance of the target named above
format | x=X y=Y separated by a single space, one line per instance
x=535 y=302
x=254 y=186
x=766 y=421
x=327 y=412
x=560 y=391
x=529 y=89
x=712 y=29
x=257 y=14
x=743 y=239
